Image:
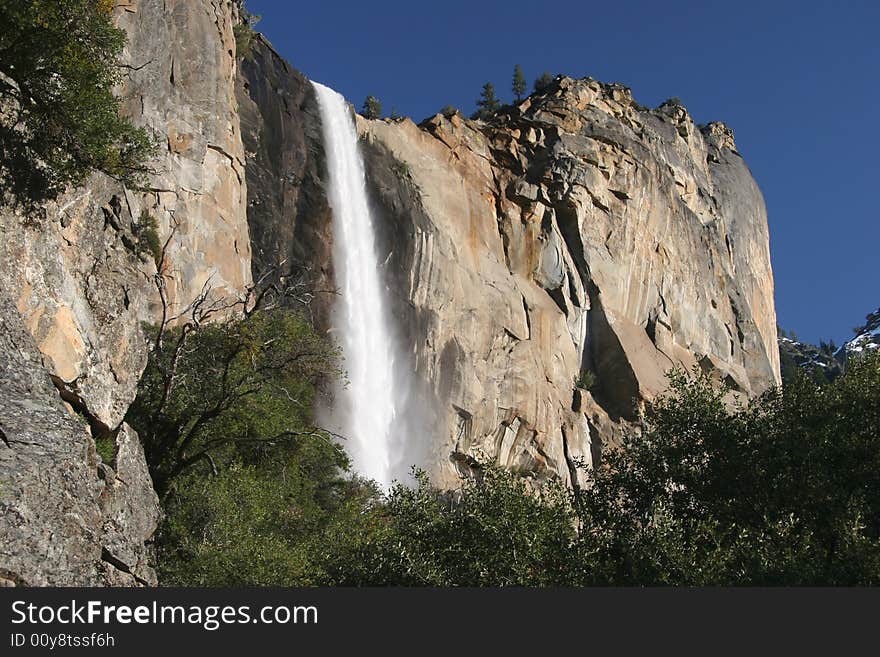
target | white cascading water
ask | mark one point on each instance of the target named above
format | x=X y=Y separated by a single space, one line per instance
x=365 y=409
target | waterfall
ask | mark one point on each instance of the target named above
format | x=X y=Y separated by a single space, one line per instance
x=365 y=408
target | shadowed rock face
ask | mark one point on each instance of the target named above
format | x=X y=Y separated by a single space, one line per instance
x=575 y=232
x=287 y=211
x=65 y=517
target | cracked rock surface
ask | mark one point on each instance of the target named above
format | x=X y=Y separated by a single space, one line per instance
x=61 y=510
x=77 y=288
x=576 y=232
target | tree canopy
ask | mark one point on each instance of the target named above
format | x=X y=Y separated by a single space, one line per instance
x=215 y=391
x=543 y=81
x=784 y=491
x=59 y=118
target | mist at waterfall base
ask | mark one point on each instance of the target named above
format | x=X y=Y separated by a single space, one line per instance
x=376 y=412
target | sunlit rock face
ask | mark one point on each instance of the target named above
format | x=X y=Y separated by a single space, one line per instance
x=71 y=267
x=72 y=276
x=575 y=236
x=577 y=232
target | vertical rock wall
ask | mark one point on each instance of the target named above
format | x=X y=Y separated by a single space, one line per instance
x=75 y=292
x=577 y=236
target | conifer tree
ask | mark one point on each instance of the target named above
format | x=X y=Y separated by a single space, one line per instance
x=519 y=83
x=543 y=82
x=487 y=103
x=372 y=108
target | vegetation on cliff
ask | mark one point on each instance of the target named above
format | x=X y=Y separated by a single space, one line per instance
x=372 y=108
x=783 y=491
x=59 y=117
x=245 y=34
x=224 y=414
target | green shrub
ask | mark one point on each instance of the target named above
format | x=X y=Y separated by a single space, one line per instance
x=106 y=447
x=402 y=169
x=256 y=524
x=675 y=101
x=785 y=491
x=245 y=34
x=216 y=392
x=585 y=380
x=148 y=242
x=544 y=81
x=495 y=531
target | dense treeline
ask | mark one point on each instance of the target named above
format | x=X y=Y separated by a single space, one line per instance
x=785 y=490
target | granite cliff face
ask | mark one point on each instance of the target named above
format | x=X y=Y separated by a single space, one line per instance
x=72 y=277
x=575 y=236
x=577 y=232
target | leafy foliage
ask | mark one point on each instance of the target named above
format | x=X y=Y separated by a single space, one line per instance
x=256 y=524
x=223 y=391
x=785 y=491
x=586 y=380
x=148 y=242
x=245 y=34
x=494 y=531
x=105 y=445
x=247 y=481
x=59 y=122
x=543 y=81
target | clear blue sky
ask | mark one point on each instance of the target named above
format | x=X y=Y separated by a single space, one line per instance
x=799 y=83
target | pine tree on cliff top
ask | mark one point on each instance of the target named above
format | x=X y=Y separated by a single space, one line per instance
x=519 y=83
x=487 y=103
x=372 y=108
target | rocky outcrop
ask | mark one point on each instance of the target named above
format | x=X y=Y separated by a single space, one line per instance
x=827 y=362
x=819 y=363
x=867 y=338
x=574 y=233
x=80 y=282
x=65 y=517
